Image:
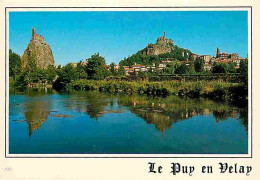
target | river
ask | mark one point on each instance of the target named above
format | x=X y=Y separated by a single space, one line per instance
x=98 y=123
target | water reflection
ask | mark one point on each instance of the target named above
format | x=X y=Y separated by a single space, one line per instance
x=36 y=111
x=93 y=104
x=161 y=112
x=164 y=112
x=244 y=117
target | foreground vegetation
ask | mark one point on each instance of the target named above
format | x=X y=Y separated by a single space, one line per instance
x=212 y=89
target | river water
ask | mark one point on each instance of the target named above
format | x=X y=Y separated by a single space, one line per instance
x=98 y=123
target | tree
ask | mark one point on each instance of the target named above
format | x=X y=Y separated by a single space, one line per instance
x=81 y=71
x=232 y=67
x=121 y=71
x=51 y=73
x=14 y=64
x=243 y=67
x=96 y=67
x=172 y=66
x=112 y=68
x=30 y=73
x=67 y=74
x=41 y=75
x=183 y=69
x=142 y=74
x=220 y=68
x=192 y=67
x=199 y=65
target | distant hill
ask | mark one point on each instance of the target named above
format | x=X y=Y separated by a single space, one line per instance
x=153 y=53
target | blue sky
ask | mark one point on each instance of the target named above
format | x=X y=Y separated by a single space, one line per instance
x=74 y=36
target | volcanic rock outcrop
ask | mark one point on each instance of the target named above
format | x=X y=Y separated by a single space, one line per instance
x=162 y=46
x=39 y=51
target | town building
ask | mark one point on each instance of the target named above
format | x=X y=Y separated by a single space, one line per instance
x=128 y=70
x=205 y=58
x=194 y=56
x=226 y=55
x=151 y=68
x=227 y=58
x=139 y=68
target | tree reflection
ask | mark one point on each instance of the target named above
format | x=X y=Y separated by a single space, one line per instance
x=92 y=103
x=162 y=112
x=244 y=117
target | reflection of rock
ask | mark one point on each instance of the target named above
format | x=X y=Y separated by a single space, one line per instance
x=163 y=112
x=163 y=119
x=37 y=113
x=162 y=115
x=35 y=119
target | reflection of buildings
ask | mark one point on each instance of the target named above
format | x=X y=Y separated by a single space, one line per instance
x=163 y=115
x=162 y=118
x=37 y=113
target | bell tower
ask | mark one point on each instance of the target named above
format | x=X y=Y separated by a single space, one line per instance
x=164 y=35
x=217 y=53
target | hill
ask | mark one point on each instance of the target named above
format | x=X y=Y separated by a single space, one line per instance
x=153 y=53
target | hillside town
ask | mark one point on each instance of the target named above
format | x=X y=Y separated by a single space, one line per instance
x=207 y=59
x=224 y=58
x=164 y=45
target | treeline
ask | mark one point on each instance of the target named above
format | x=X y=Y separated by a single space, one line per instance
x=24 y=77
x=95 y=69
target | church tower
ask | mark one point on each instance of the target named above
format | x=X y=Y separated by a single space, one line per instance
x=217 y=53
x=33 y=33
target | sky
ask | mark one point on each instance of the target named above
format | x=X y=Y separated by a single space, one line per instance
x=75 y=36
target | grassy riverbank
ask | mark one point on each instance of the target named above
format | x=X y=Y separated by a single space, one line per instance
x=212 y=89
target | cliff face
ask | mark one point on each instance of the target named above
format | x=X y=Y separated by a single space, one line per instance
x=162 y=46
x=39 y=51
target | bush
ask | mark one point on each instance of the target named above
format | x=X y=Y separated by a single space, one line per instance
x=212 y=89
